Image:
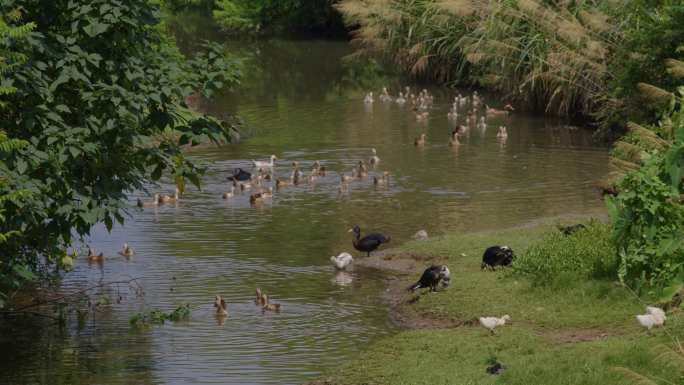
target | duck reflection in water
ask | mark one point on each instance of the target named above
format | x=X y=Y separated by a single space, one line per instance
x=342 y=278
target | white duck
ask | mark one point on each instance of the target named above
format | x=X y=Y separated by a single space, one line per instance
x=654 y=317
x=369 y=98
x=374 y=160
x=342 y=261
x=492 y=323
x=656 y=311
x=401 y=99
x=265 y=164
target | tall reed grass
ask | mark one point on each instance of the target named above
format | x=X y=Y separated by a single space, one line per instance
x=549 y=55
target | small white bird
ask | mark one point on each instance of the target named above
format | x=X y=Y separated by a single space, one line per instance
x=342 y=261
x=401 y=99
x=492 y=323
x=647 y=320
x=656 y=311
x=369 y=98
x=264 y=164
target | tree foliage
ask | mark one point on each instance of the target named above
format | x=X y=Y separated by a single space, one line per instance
x=94 y=109
x=268 y=16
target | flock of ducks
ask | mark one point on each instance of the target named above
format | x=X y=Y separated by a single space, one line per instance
x=471 y=107
x=434 y=275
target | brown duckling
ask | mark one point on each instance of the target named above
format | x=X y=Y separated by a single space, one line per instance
x=259 y=300
x=270 y=306
x=221 y=306
x=127 y=251
x=230 y=193
x=453 y=141
x=280 y=183
x=494 y=111
x=420 y=141
x=322 y=171
x=362 y=170
x=256 y=198
x=382 y=181
x=170 y=199
x=348 y=178
x=93 y=257
x=153 y=203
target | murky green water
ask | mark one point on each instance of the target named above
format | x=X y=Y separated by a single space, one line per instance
x=301 y=104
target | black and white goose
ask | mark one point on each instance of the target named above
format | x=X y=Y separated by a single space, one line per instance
x=431 y=278
x=497 y=256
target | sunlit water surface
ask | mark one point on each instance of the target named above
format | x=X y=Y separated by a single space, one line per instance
x=300 y=103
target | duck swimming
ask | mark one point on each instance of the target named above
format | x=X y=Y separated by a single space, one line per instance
x=240 y=175
x=153 y=203
x=259 y=297
x=383 y=180
x=384 y=96
x=93 y=257
x=453 y=141
x=230 y=193
x=221 y=306
x=362 y=170
x=263 y=164
x=369 y=243
x=502 y=133
x=493 y=111
x=127 y=251
x=374 y=160
x=296 y=175
x=270 y=306
x=170 y=199
x=369 y=98
x=420 y=141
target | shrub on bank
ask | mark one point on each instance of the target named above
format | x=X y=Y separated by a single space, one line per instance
x=588 y=253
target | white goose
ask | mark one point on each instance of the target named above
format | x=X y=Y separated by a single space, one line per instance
x=342 y=261
x=492 y=323
x=265 y=164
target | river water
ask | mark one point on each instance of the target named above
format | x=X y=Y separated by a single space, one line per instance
x=301 y=102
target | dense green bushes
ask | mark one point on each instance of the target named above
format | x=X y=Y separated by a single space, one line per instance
x=92 y=108
x=648 y=216
x=268 y=16
x=588 y=253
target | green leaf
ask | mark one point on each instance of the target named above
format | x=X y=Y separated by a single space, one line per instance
x=95 y=29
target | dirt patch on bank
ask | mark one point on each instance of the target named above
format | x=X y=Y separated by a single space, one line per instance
x=568 y=336
x=402 y=268
x=396 y=262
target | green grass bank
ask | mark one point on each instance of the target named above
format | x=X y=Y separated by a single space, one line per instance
x=577 y=328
